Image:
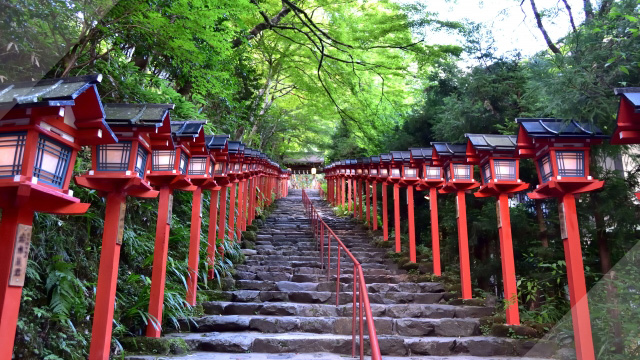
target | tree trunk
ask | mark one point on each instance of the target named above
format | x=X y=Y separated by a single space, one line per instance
x=542 y=225
x=588 y=10
x=185 y=89
x=547 y=39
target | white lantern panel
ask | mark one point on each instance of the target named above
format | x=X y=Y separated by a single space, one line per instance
x=462 y=172
x=198 y=166
x=114 y=157
x=163 y=160
x=52 y=162
x=11 y=153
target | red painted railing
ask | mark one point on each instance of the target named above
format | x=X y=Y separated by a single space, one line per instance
x=360 y=294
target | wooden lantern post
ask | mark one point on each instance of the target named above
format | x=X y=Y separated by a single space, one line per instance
x=499 y=169
x=169 y=166
x=430 y=180
x=366 y=162
x=42 y=126
x=410 y=178
x=139 y=127
x=628 y=121
x=398 y=159
x=358 y=180
x=350 y=173
x=200 y=173
x=343 y=182
x=218 y=145
x=374 y=172
x=236 y=155
x=458 y=176
x=560 y=149
x=385 y=163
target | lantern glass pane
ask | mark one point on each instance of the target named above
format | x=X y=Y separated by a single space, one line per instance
x=395 y=172
x=462 y=172
x=141 y=161
x=198 y=166
x=359 y=171
x=432 y=172
x=570 y=163
x=486 y=172
x=410 y=172
x=366 y=171
x=544 y=168
x=184 y=162
x=11 y=153
x=505 y=169
x=163 y=160
x=52 y=162
x=244 y=167
x=114 y=157
x=374 y=172
x=384 y=172
x=236 y=168
x=220 y=168
x=447 y=176
x=211 y=170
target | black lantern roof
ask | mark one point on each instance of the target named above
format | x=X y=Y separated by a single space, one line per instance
x=549 y=128
x=218 y=142
x=351 y=161
x=130 y=115
x=630 y=93
x=449 y=149
x=366 y=161
x=190 y=128
x=358 y=161
x=491 y=142
x=421 y=154
x=375 y=159
x=343 y=162
x=47 y=92
x=234 y=147
x=401 y=156
x=385 y=158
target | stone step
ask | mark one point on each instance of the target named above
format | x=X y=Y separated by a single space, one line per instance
x=306 y=356
x=316 y=264
x=260 y=269
x=326 y=297
x=330 y=325
x=429 y=311
x=294 y=258
x=249 y=341
x=372 y=288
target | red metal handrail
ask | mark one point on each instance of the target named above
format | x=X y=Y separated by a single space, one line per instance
x=361 y=295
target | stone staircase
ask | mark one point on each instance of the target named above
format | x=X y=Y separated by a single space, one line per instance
x=284 y=303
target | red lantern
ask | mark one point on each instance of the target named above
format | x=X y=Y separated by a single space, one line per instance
x=458 y=176
x=121 y=170
x=43 y=124
x=385 y=165
x=560 y=149
x=500 y=176
x=628 y=122
x=430 y=180
x=401 y=166
x=218 y=145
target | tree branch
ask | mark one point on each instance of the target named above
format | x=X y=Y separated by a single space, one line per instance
x=550 y=43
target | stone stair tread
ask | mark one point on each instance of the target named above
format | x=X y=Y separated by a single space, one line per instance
x=299 y=342
x=387 y=310
x=306 y=356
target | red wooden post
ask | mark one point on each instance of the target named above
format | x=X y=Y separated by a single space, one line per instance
x=343 y=193
x=385 y=213
x=223 y=212
x=463 y=245
x=435 y=231
x=412 y=227
x=212 y=235
x=360 y=195
x=374 y=203
x=159 y=270
x=107 y=279
x=368 y=203
x=349 y=193
x=12 y=218
x=232 y=211
x=194 y=246
x=240 y=209
x=508 y=265
x=396 y=212
x=575 y=276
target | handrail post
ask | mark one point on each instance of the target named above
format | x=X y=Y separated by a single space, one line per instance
x=338 y=279
x=329 y=258
x=353 y=322
x=362 y=289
